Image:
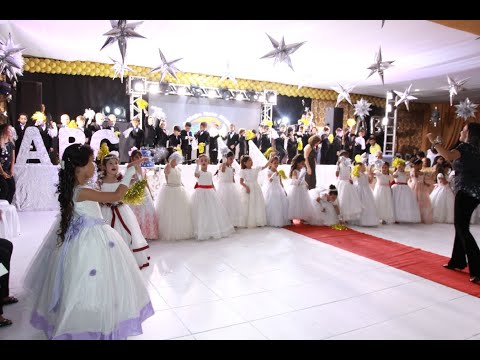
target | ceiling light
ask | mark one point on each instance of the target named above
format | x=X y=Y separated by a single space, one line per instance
x=212 y=94
x=117 y=111
x=107 y=109
x=239 y=97
x=260 y=98
x=285 y=120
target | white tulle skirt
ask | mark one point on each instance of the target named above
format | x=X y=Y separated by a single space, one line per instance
x=443 y=203
x=299 y=204
x=229 y=195
x=369 y=216
x=405 y=204
x=174 y=213
x=146 y=217
x=348 y=201
x=384 y=203
x=103 y=294
x=324 y=213
x=276 y=204
x=252 y=205
x=209 y=217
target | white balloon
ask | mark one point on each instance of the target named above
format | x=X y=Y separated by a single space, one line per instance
x=64 y=136
x=32 y=134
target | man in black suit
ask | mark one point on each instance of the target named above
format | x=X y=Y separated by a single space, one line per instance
x=280 y=143
x=161 y=134
x=335 y=147
x=150 y=132
x=325 y=145
x=187 y=137
x=111 y=120
x=232 y=139
x=137 y=134
x=202 y=136
x=213 y=150
x=20 y=128
x=80 y=120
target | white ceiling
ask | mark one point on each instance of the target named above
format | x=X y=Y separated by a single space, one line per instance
x=335 y=50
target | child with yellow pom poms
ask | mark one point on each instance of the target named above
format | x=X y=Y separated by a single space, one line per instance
x=368 y=216
x=404 y=201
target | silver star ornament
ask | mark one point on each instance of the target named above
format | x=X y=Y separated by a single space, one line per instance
x=281 y=52
x=166 y=67
x=466 y=109
x=343 y=93
x=454 y=87
x=11 y=59
x=121 y=31
x=119 y=69
x=228 y=74
x=362 y=108
x=379 y=65
x=405 y=97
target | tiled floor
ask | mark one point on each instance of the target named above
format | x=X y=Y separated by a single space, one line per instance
x=274 y=284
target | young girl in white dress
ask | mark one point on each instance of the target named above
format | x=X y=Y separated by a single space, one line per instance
x=227 y=191
x=145 y=213
x=405 y=204
x=276 y=201
x=173 y=203
x=325 y=205
x=252 y=202
x=209 y=217
x=443 y=201
x=120 y=216
x=299 y=204
x=348 y=199
x=84 y=281
x=369 y=216
x=383 y=194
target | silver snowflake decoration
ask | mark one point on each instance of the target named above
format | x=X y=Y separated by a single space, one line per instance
x=166 y=67
x=379 y=65
x=362 y=108
x=282 y=52
x=121 y=32
x=120 y=69
x=405 y=97
x=11 y=59
x=466 y=109
x=343 y=93
x=454 y=87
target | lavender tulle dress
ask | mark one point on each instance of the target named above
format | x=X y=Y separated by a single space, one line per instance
x=90 y=287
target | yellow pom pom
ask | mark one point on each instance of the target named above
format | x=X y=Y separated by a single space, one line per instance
x=268 y=152
x=358 y=158
x=330 y=138
x=300 y=146
x=39 y=116
x=282 y=174
x=142 y=104
x=339 y=227
x=351 y=122
x=136 y=194
x=201 y=148
x=356 y=170
x=72 y=124
x=250 y=135
x=104 y=151
x=397 y=162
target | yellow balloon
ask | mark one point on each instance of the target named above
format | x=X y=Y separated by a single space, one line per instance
x=26 y=67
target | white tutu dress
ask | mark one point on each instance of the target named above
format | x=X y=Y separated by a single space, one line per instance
x=348 y=198
x=369 y=216
x=384 y=198
x=443 y=202
x=324 y=213
x=405 y=203
x=145 y=214
x=209 y=217
x=122 y=219
x=299 y=203
x=90 y=287
x=173 y=209
x=229 y=194
x=252 y=213
x=276 y=201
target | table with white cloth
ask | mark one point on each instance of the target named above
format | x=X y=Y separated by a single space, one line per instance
x=36 y=187
x=9 y=222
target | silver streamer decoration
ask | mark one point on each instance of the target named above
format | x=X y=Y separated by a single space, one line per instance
x=11 y=59
x=405 y=97
x=454 y=87
x=362 y=108
x=166 y=67
x=466 y=109
x=343 y=93
x=379 y=65
x=120 y=69
x=121 y=31
x=228 y=74
x=282 y=52
x=157 y=112
x=159 y=154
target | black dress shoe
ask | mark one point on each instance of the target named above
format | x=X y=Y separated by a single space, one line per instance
x=475 y=279
x=450 y=267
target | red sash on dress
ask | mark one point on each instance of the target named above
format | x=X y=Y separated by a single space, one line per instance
x=203 y=186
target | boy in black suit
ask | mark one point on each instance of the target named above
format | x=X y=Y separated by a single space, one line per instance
x=175 y=140
x=202 y=136
x=20 y=128
x=187 y=137
x=232 y=139
x=137 y=134
x=161 y=135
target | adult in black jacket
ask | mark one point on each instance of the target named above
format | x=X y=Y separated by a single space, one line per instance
x=292 y=144
x=232 y=139
x=335 y=147
x=186 y=145
x=150 y=132
x=161 y=134
x=202 y=136
x=324 y=149
x=137 y=134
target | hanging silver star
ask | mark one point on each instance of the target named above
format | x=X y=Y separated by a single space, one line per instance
x=121 y=31
x=379 y=65
x=166 y=67
x=282 y=52
x=405 y=97
x=11 y=59
x=228 y=74
x=343 y=93
x=120 y=69
x=466 y=109
x=454 y=87
x=362 y=108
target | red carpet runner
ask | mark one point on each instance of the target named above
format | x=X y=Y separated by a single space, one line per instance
x=415 y=261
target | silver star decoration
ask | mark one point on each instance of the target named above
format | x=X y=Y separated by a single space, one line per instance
x=405 y=97
x=282 y=52
x=11 y=59
x=343 y=93
x=166 y=67
x=466 y=109
x=454 y=87
x=379 y=65
x=120 y=69
x=121 y=31
x=228 y=74
x=362 y=108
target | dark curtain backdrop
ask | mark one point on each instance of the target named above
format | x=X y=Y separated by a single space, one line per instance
x=72 y=94
x=290 y=107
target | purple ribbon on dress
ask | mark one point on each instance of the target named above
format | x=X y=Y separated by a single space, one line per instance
x=74 y=228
